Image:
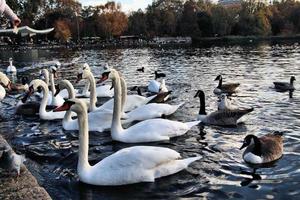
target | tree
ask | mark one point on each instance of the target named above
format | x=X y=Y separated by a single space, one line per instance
x=137 y=23
x=62 y=31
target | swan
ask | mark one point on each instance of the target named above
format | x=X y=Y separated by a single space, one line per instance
x=127 y=166
x=284 y=86
x=148 y=111
x=146 y=131
x=225 y=88
x=225 y=103
x=220 y=117
x=261 y=150
x=100 y=91
x=4 y=80
x=11 y=69
x=132 y=102
x=33 y=86
x=56 y=100
x=98 y=121
x=157 y=87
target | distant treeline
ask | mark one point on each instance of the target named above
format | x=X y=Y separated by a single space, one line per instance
x=195 y=18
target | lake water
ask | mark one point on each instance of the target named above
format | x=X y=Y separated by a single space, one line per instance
x=221 y=173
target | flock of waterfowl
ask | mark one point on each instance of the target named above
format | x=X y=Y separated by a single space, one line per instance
x=79 y=111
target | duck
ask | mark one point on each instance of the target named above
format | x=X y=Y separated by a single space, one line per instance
x=159 y=75
x=284 y=86
x=142 y=69
x=220 y=117
x=127 y=166
x=224 y=103
x=150 y=130
x=228 y=88
x=11 y=69
x=12 y=161
x=261 y=150
x=44 y=115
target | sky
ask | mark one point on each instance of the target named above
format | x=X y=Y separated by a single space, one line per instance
x=127 y=5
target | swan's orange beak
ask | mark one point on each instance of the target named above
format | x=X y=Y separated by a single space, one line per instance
x=102 y=79
x=64 y=107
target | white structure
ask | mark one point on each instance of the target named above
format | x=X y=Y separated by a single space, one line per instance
x=25 y=30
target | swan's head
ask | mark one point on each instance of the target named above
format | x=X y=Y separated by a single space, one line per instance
x=44 y=73
x=53 y=70
x=4 y=80
x=75 y=105
x=86 y=67
x=57 y=64
x=62 y=85
x=199 y=93
x=36 y=85
x=219 y=77
x=109 y=73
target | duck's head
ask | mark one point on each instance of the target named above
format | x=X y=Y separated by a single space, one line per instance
x=219 y=77
x=75 y=105
x=199 y=93
x=249 y=139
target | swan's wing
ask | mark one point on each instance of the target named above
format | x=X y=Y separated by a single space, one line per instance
x=145 y=157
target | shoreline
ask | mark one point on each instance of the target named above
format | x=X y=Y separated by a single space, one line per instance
x=196 y=42
x=25 y=186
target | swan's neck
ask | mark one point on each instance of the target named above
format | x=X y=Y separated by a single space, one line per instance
x=220 y=82
x=116 y=126
x=93 y=97
x=83 y=161
x=45 y=98
x=71 y=92
x=86 y=87
x=52 y=84
x=202 y=105
x=10 y=63
x=46 y=78
x=124 y=93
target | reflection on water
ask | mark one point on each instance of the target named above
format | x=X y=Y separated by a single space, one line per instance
x=221 y=173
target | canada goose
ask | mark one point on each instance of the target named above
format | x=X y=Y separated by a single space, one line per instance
x=142 y=69
x=127 y=166
x=285 y=86
x=159 y=75
x=261 y=150
x=19 y=87
x=220 y=117
x=225 y=88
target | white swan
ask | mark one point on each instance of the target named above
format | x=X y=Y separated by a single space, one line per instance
x=156 y=87
x=225 y=103
x=4 y=80
x=98 y=121
x=101 y=91
x=56 y=100
x=33 y=86
x=11 y=69
x=146 y=131
x=127 y=166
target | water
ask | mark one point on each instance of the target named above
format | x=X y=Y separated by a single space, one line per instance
x=52 y=152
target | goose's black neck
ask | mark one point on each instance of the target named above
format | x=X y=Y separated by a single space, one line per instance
x=220 y=82
x=257 y=146
x=202 y=104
